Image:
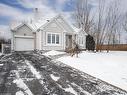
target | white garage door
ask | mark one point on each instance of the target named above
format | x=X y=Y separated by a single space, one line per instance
x=24 y=44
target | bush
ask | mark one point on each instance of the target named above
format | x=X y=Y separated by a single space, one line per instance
x=90 y=43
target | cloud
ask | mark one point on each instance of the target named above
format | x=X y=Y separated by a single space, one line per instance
x=15 y=14
x=12 y=13
x=49 y=5
x=61 y=2
x=6 y=10
x=32 y=3
x=42 y=5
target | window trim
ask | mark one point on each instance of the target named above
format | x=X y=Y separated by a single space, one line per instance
x=53 y=44
x=80 y=40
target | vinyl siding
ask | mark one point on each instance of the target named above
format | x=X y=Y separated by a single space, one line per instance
x=24 y=30
x=53 y=28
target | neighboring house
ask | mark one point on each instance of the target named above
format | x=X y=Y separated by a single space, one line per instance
x=49 y=34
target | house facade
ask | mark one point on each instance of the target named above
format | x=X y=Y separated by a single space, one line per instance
x=53 y=34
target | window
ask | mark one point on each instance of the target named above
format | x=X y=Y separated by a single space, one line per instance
x=57 y=39
x=53 y=38
x=49 y=38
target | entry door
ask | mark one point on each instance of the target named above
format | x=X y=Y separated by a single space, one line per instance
x=68 y=41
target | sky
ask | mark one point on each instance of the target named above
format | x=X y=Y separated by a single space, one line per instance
x=20 y=9
x=11 y=10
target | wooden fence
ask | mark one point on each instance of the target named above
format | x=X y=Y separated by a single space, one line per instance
x=116 y=47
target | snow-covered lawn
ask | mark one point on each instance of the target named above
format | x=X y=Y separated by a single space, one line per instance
x=53 y=52
x=110 y=67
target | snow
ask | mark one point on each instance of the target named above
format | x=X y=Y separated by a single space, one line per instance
x=110 y=67
x=53 y=52
x=20 y=83
x=1 y=64
x=81 y=89
x=33 y=70
x=70 y=89
x=55 y=78
x=77 y=30
x=15 y=24
x=19 y=93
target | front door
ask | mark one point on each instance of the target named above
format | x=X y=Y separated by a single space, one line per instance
x=68 y=41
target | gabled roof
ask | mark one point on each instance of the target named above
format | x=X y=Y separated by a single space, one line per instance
x=43 y=21
x=34 y=24
x=14 y=28
x=76 y=30
x=49 y=21
x=40 y=24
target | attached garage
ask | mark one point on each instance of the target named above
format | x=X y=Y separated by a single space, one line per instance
x=23 y=38
x=24 y=43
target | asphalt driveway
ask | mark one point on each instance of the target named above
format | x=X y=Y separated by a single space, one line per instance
x=53 y=77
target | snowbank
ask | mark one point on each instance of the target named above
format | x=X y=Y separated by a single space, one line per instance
x=110 y=67
x=53 y=52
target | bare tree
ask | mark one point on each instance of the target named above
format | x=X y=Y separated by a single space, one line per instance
x=100 y=26
x=83 y=15
x=125 y=22
x=105 y=26
x=113 y=19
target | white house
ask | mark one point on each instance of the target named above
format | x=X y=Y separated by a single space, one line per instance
x=47 y=34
